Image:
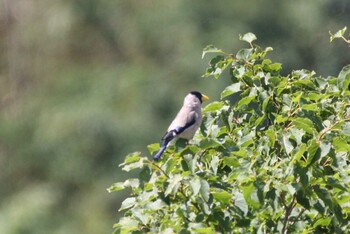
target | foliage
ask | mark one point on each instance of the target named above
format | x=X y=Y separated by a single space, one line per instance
x=272 y=156
x=340 y=35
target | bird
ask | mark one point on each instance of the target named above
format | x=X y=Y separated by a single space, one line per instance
x=186 y=122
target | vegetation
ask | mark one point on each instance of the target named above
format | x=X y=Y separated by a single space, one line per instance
x=272 y=156
x=84 y=82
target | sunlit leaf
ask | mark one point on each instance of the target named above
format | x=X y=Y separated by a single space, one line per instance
x=210 y=49
x=127 y=203
x=240 y=202
x=248 y=37
x=223 y=196
x=306 y=124
x=195 y=185
x=173 y=184
x=229 y=90
x=214 y=106
x=205 y=190
x=287 y=144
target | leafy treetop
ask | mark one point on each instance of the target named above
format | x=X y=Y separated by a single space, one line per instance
x=272 y=156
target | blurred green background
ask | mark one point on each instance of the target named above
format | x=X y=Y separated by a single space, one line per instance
x=84 y=82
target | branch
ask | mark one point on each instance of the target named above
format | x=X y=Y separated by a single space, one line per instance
x=288 y=212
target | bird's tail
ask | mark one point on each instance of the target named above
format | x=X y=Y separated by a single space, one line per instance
x=169 y=136
x=160 y=152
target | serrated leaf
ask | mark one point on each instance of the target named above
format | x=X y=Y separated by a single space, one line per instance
x=306 y=124
x=248 y=37
x=232 y=89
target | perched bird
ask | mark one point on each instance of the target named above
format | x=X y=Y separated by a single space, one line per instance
x=186 y=122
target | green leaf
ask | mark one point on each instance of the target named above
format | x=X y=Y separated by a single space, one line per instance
x=272 y=137
x=302 y=199
x=195 y=185
x=127 y=225
x=344 y=78
x=127 y=203
x=240 y=202
x=340 y=145
x=324 y=195
x=306 y=124
x=116 y=187
x=287 y=144
x=223 y=197
x=205 y=190
x=338 y=34
x=323 y=222
x=244 y=54
x=250 y=195
x=174 y=183
x=210 y=49
x=132 y=166
x=299 y=153
x=231 y=161
x=153 y=148
x=213 y=107
x=248 y=37
x=310 y=107
x=133 y=157
x=214 y=164
x=245 y=101
x=346 y=129
x=232 y=89
x=314 y=152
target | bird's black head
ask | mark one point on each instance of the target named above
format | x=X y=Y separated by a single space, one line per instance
x=198 y=95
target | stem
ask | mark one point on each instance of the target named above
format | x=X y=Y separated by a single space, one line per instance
x=288 y=212
x=330 y=128
x=160 y=169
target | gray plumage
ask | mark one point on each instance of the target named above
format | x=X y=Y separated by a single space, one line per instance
x=186 y=122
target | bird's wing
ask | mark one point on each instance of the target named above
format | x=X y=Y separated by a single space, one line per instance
x=182 y=123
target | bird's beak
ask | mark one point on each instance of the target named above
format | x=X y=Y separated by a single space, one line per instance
x=205 y=97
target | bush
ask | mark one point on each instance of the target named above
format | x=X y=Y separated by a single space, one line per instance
x=272 y=156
